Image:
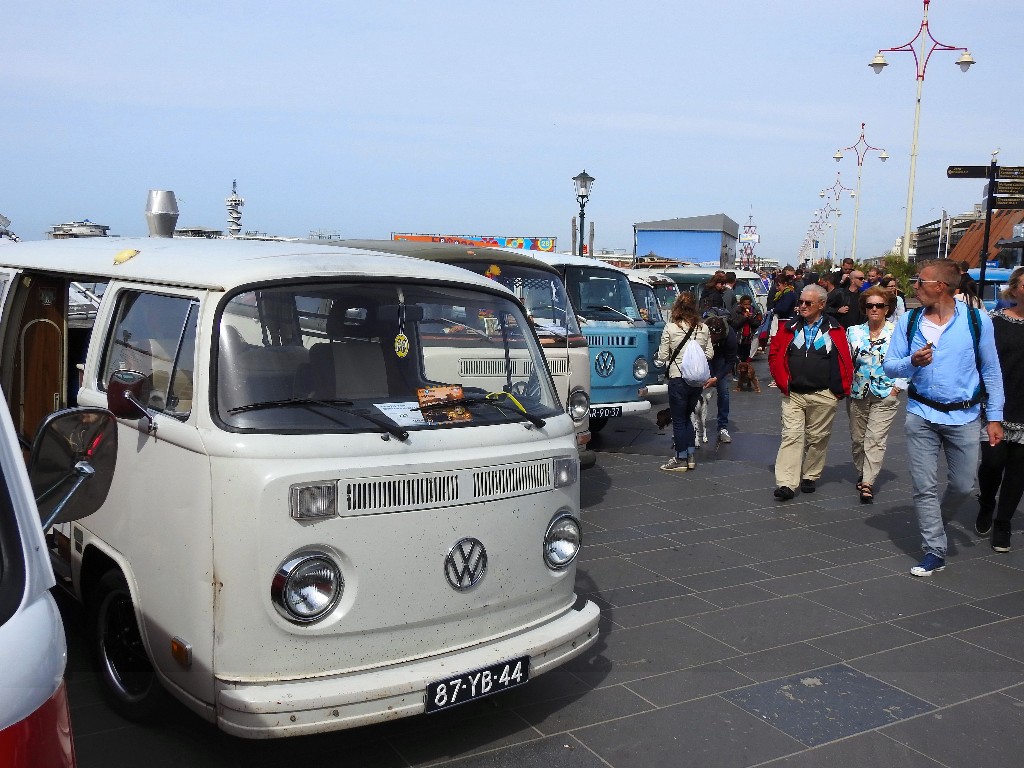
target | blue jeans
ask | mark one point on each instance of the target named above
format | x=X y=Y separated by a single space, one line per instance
x=960 y=443
x=682 y=400
x=723 y=385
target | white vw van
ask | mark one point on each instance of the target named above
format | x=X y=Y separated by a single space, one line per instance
x=322 y=515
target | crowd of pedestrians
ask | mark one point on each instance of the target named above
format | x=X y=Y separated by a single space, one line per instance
x=849 y=335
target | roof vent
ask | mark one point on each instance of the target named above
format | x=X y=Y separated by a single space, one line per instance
x=161 y=213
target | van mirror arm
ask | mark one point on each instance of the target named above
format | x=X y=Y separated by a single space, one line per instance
x=145 y=412
x=83 y=471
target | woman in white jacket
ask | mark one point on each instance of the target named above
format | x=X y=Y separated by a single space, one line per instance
x=682 y=397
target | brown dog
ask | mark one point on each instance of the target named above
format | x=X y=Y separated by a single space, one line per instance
x=747 y=378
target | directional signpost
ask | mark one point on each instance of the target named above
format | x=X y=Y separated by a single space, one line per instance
x=1001 y=194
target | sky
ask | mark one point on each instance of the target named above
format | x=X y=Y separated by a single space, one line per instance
x=471 y=118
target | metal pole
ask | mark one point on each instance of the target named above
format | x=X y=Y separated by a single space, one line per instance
x=988 y=224
x=583 y=204
x=856 y=212
x=905 y=250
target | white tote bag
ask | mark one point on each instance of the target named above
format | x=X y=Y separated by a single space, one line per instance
x=694 y=365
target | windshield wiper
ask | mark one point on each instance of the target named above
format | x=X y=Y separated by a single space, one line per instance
x=337 y=405
x=606 y=308
x=491 y=401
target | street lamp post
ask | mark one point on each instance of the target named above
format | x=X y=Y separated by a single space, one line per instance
x=835 y=192
x=583 y=183
x=878 y=63
x=861 y=152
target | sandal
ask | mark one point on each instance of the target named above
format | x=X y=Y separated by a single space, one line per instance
x=860 y=483
x=867 y=495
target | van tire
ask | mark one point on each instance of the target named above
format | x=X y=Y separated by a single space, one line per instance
x=127 y=679
x=597 y=423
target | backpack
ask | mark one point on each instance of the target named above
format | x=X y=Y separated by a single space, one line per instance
x=693 y=366
x=974 y=321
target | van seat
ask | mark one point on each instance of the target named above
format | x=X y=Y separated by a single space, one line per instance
x=351 y=369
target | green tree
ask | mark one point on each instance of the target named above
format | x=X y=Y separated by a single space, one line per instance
x=898 y=267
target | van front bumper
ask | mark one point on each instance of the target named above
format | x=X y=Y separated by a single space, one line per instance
x=300 y=707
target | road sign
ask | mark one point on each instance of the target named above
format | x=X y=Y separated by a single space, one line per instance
x=968 y=172
x=1010 y=172
x=1013 y=201
x=1010 y=187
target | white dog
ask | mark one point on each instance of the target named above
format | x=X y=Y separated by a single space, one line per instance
x=699 y=417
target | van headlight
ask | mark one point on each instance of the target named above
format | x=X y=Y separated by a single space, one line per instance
x=566 y=470
x=307 y=587
x=640 y=368
x=310 y=501
x=562 y=541
x=579 y=404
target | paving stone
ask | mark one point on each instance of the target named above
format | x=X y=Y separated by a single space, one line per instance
x=705 y=733
x=925 y=670
x=981 y=732
x=827 y=704
x=770 y=623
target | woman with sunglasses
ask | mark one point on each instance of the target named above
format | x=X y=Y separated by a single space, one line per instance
x=873 y=399
x=900 y=305
x=1003 y=464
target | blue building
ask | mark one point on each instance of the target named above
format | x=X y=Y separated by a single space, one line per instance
x=698 y=239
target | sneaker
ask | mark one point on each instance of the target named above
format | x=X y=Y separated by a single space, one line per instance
x=928 y=566
x=724 y=436
x=784 y=493
x=1001 y=536
x=675 y=465
x=983 y=524
x=807 y=486
x=691 y=462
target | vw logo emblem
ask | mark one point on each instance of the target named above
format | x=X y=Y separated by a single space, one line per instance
x=466 y=564
x=604 y=364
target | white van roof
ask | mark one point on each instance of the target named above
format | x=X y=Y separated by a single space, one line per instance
x=576 y=261
x=219 y=265
x=700 y=271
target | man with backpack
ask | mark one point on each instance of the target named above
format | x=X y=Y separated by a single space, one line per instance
x=931 y=347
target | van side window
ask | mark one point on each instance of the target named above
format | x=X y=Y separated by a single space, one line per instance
x=156 y=336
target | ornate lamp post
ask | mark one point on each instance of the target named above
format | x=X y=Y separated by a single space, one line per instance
x=584 y=181
x=835 y=192
x=861 y=152
x=924 y=34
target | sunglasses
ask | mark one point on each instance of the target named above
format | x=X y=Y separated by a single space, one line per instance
x=877 y=306
x=806 y=303
x=856 y=277
x=919 y=281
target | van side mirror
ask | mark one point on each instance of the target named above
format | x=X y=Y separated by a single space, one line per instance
x=126 y=393
x=72 y=463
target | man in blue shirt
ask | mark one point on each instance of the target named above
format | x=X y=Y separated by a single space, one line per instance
x=945 y=395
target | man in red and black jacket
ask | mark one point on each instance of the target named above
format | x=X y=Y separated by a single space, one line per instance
x=809 y=359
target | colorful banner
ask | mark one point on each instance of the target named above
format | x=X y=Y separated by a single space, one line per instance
x=546 y=244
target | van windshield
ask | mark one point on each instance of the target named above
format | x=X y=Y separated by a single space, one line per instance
x=540 y=291
x=373 y=357
x=601 y=294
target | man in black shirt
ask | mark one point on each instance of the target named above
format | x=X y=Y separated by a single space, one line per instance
x=844 y=302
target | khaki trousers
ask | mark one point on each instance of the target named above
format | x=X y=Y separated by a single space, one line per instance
x=806 y=426
x=870 y=419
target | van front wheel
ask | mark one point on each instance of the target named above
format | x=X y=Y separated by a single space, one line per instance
x=128 y=680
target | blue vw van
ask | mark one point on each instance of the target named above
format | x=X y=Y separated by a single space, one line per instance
x=996 y=280
x=615 y=331
x=651 y=314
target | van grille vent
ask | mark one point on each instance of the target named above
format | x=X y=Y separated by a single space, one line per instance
x=402 y=493
x=494 y=367
x=559 y=366
x=610 y=340
x=509 y=481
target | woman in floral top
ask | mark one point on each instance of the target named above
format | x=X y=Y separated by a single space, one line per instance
x=873 y=401
x=1003 y=464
